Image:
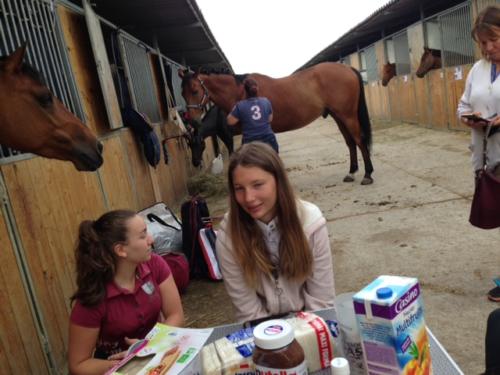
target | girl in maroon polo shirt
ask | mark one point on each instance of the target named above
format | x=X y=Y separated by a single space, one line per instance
x=123 y=289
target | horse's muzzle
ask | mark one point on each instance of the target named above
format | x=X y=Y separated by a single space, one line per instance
x=87 y=158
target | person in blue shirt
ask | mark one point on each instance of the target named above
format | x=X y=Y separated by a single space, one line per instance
x=255 y=114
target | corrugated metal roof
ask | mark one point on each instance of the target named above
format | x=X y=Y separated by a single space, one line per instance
x=394 y=16
x=177 y=25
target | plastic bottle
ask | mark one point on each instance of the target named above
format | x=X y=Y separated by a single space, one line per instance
x=340 y=366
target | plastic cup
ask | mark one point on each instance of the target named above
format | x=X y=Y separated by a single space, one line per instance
x=351 y=340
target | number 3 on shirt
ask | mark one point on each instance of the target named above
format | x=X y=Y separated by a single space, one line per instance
x=256 y=113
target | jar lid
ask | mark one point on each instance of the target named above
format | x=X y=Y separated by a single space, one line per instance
x=273 y=334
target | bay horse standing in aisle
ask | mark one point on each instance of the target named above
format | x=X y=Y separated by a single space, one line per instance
x=33 y=120
x=324 y=89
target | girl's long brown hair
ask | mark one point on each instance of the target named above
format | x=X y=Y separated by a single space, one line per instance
x=95 y=257
x=248 y=243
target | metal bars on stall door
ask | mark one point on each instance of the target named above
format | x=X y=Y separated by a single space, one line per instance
x=456 y=42
x=401 y=53
x=36 y=22
x=140 y=78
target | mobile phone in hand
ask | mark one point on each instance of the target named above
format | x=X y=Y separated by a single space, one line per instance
x=475 y=118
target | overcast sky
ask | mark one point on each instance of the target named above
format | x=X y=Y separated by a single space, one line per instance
x=275 y=37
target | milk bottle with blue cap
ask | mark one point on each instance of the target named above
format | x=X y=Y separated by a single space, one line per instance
x=390 y=316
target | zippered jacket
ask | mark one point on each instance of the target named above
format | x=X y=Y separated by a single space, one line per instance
x=275 y=296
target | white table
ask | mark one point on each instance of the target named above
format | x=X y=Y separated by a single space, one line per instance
x=442 y=363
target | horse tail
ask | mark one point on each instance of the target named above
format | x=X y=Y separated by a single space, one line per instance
x=363 y=116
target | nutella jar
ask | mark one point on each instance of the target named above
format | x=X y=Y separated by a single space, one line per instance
x=276 y=350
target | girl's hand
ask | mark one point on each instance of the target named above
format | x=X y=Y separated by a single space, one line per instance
x=121 y=355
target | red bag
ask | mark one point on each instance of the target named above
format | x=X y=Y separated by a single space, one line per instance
x=485 y=208
x=180 y=269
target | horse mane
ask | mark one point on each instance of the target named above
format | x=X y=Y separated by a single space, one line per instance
x=239 y=78
x=435 y=52
x=26 y=69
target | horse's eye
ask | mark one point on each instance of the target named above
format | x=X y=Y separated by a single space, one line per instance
x=45 y=100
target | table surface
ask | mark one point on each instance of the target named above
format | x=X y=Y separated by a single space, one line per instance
x=442 y=363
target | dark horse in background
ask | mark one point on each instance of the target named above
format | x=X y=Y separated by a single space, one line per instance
x=324 y=89
x=431 y=59
x=33 y=120
x=213 y=124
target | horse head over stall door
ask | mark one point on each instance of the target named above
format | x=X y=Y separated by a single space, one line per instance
x=324 y=89
x=33 y=120
x=431 y=59
x=213 y=124
x=388 y=72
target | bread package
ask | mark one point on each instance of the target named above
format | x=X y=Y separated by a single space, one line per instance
x=230 y=355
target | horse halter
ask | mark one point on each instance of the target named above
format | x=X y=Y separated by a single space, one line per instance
x=201 y=104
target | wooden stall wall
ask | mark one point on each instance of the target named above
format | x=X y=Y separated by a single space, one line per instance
x=455 y=84
x=416 y=44
x=82 y=61
x=354 y=60
x=49 y=199
x=20 y=350
x=381 y=93
x=438 y=110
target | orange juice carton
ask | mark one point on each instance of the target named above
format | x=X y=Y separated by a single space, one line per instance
x=390 y=317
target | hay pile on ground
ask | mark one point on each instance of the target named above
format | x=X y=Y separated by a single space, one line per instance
x=207 y=185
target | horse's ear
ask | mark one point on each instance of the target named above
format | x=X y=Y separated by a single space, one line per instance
x=15 y=60
x=426 y=49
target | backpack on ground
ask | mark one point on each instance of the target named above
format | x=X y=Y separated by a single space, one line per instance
x=180 y=269
x=207 y=237
x=166 y=230
x=195 y=217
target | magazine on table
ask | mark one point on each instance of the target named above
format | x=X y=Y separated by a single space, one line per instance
x=165 y=350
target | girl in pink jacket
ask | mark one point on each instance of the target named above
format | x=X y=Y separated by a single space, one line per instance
x=273 y=248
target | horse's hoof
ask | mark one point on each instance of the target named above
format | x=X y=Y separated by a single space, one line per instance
x=349 y=178
x=367 y=181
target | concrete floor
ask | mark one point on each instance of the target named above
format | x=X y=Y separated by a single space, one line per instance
x=412 y=221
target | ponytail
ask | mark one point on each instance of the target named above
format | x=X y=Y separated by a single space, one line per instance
x=94 y=255
x=251 y=87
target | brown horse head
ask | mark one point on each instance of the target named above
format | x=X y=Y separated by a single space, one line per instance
x=194 y=92
x=198 y=89
x=33 y=120
x=431 y=59
x=388 y=72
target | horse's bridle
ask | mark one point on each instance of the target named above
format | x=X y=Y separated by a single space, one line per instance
x=200 y=105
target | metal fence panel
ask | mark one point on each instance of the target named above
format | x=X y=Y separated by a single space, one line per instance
x=457 y=44
x=401 y=54
x=36 y=22
x=140 y=78
x=174 y=83
x=371 y=64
